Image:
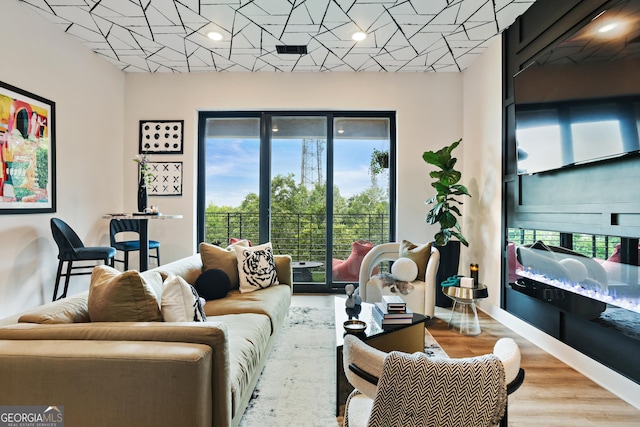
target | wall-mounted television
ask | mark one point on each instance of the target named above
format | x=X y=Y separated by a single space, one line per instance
x=579 y=102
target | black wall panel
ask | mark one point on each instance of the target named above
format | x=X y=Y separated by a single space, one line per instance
x=566 y=192
x=543 y=316
x=620 y=353
x=596 y=198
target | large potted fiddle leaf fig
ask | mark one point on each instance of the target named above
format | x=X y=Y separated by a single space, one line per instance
x=445 y=211
x=445 y=203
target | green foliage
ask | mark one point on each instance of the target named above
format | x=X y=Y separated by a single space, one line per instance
x=143 y=161
x=445 y=203
x=299 y=219
x=379 y=161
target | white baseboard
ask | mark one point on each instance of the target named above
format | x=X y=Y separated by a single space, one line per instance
x=621 y=386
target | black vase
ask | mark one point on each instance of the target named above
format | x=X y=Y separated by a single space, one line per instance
x=142 y=196
x=449 y=261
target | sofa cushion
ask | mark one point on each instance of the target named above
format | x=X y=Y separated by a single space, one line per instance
x=121 y=297
x=418 y=253
x=221 y=258
x=213 y=284
x=248 y=338
x=256 y=267
x=155 y=279
x=283 y=269
x=273 y=301
x=73 y=309
x=180 y=302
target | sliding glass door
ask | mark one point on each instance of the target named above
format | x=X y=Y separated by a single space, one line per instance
x=361 y=192
x=284 y=176
x=299 y=193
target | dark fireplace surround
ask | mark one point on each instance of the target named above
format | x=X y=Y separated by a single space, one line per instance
x=590 y=304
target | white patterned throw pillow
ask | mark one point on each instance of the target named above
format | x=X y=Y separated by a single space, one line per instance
x=256 y=267
x=180 y=302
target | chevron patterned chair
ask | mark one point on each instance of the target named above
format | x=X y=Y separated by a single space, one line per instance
x=398 y=389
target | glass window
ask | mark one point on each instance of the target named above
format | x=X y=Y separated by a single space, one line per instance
x=231 y=180
x=284 y=176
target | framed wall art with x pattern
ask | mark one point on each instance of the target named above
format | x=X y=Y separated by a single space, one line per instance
x=166 y=180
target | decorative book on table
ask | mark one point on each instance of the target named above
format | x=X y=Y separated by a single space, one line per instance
x=394 y=303
x=384 y=317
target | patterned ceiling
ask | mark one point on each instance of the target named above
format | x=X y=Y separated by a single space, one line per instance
x=171 y=35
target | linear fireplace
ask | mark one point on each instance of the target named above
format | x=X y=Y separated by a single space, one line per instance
x=595 y=303
x=609 y=282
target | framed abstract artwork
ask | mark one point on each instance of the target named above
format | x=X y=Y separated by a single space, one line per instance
x=161 y=136
x=166 y=179
x=27 y=152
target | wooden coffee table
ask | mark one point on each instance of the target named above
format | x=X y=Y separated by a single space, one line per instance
x=408 y=338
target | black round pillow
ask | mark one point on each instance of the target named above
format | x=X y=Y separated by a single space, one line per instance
x=213 y=284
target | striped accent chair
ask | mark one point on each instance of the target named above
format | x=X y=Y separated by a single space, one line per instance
x=398 y=389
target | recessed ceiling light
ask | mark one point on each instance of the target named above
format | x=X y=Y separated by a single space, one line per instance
x=359 y=36
x=214 y=36
x=607 y=28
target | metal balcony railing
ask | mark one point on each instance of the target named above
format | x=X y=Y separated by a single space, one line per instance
x=301 y=235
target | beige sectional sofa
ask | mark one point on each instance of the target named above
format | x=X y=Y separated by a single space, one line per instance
x=144 y=373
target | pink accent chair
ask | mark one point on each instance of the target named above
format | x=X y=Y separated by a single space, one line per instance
x=236 y=240
x=349 y=270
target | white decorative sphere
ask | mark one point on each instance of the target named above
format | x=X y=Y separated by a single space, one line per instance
x=577 y=270
x=404 y=270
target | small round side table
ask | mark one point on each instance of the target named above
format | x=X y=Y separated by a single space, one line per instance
x=464 y=316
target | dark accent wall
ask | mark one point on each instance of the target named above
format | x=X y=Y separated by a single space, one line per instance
x=597 y=198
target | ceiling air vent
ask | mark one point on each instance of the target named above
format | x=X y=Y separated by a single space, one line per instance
x=292 y=50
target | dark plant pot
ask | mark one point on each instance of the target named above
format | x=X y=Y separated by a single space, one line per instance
x=383 y=160
x=142 y=196
x=449 y=262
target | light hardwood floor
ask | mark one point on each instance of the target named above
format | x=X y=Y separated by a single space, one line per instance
x=553 y=394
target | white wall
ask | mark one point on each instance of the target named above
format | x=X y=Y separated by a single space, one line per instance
x=428 y=106
x=88 y=92
x=482 y=168
x=482 y=163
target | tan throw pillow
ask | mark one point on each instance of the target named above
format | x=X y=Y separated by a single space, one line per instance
x=223 y=259
x=256 y=267
x=121 y=297
x=283 y=269
x=68 y=310
x=418 y=253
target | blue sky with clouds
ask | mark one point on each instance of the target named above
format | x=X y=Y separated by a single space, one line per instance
x=232 y=166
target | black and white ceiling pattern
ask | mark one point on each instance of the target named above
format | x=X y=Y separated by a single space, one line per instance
x=171 y=35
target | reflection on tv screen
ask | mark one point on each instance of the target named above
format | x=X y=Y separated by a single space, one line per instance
x=579 y=102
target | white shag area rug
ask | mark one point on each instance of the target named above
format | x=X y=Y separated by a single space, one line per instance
x=298 y=385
